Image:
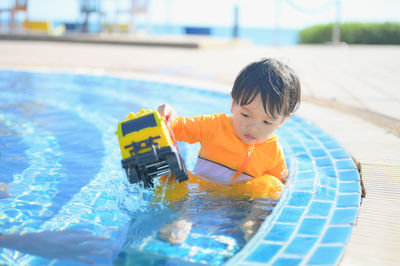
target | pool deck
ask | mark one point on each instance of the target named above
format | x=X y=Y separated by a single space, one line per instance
x=349 y=91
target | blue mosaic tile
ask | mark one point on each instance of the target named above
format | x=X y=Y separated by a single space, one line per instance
x=303 y=185
x=328 y=255
x=348 y=200
x=263 y=253
x=318 y=152
x=303 y=157
x=328 y=171
x=306 y=166
x=287 y=262
x=315 y=130
x=306 y=175
x=312 y=226
x=298 y=150
x=312 y=144
x=324 y=162
x=332 y=182
x=344 y=216
x=300 y=245
x=280 y=232
x=349 y=175
x=299 y=199
x=324 y=193
x=331 y=145
x=290 y=215
x=319 y=209
x=339 y=154
x=345 y=164
x=325 y=138
x=337 y=234
x=292 y=141
x=349 y=187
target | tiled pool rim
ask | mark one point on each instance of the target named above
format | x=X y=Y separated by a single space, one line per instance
x=309 y=226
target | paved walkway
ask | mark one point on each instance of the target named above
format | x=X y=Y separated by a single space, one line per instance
x=350 y=91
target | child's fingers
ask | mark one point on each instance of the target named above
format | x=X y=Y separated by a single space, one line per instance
x=167 y=111
x=161 y=109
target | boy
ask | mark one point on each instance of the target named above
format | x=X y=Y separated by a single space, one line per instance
x=241 y=150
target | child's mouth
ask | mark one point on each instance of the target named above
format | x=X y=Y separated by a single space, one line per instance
x=249 y=137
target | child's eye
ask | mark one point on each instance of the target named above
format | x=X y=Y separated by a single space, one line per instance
x=267 y=123
x=245 y=115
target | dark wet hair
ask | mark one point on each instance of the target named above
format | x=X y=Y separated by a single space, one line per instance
x=276 y=82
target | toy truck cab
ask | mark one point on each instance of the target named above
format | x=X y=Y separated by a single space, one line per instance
x=147 y=148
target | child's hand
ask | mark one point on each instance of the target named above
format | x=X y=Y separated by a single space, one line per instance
x=167 y=111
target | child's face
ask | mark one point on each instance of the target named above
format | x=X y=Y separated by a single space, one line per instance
x=251 y=123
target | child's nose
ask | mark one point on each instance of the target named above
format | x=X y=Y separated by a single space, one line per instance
x=252 y=126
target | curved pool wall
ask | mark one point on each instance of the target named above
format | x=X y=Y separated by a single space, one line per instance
x=311 y=224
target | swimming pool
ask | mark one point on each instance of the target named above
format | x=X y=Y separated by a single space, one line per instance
x=62 y=159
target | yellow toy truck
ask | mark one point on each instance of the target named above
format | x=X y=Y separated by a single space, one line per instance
x=147 y=148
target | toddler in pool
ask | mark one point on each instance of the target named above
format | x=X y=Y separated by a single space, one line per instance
x=241 y=150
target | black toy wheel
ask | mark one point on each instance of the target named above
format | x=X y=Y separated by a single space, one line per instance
x=177 y=166
x=182 y=175
x=132 y=175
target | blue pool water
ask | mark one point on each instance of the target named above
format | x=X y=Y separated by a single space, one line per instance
x=61 y=157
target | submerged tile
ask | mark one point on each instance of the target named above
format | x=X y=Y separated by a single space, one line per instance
x=299 y=199
x=345 y=164
x=319 y=209
x=344 y=216
x=306 y=175
x=328 y=255
x=328 y=171
x=348 y=200
x=324 y=193
x=324 y=162
x=263 y=253
x=349 y=175
x=349 y=187
x=339 y=154
x=312 y=226
x=290 y=215
x=318 y=152
x=301 y=245
x=337 y=234
x=280 y=232
x=331 y=145
x=287 y=261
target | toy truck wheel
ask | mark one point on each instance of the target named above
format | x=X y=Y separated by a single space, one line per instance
x=132 y=175
x=177 y=166
x=183 y=174
x=172 y=161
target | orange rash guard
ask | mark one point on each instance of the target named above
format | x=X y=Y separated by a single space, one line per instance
x=222 y=154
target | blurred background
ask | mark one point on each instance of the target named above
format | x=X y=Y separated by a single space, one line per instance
x=263 y=22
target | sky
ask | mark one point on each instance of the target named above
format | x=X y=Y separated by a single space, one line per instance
x=290 y=14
